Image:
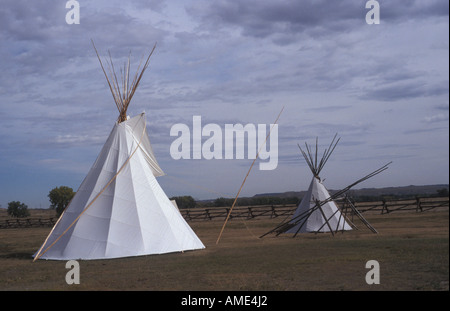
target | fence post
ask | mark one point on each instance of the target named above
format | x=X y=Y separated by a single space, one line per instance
x=418 y=205
x=207 y=214
x=384 y=207
x=188 y=215
x=274 y=214
x=250 y=214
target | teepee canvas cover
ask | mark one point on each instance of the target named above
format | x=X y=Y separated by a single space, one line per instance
x=318 y=220
x=120 y=209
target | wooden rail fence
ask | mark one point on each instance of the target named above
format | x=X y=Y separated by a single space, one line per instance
x=27 y=223
x=418 y=205
x=272 y=211
x=267 y=211
x=248 y=212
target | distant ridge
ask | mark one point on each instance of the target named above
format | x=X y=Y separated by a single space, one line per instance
x=411 y=190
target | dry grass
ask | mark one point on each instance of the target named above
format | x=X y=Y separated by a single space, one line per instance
x=412 y=250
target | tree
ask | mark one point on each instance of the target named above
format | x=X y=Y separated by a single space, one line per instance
x=219 y=202
x=184 y=201
x=442 y=192
x=59 y=198
x=17 y=209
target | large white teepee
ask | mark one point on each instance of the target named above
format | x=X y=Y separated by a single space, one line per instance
x=317 y=212
x=120 y=210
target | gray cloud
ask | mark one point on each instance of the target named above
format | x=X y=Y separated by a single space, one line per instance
x=23 y=21
x=230 y=62
x=399 y=90
x=285 y=20
x=266 y=18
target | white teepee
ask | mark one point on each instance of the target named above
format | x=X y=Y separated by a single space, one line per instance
x=325 y=218
x=317 y=212
x=120 y=210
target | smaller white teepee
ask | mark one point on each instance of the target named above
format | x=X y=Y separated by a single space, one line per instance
x=317 y=212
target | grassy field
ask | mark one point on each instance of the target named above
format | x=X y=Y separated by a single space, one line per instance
x=411 y=248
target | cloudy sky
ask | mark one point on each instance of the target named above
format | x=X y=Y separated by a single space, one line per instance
x=383 y=88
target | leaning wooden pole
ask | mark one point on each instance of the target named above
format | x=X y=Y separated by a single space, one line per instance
x=251 y=166
x=361 y=217
x=324 y=217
